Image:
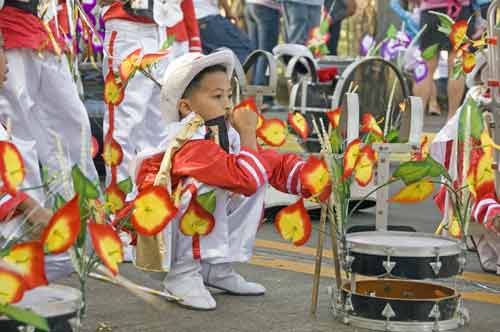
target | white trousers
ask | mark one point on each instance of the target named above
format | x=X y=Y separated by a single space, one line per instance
x=237 y=220
x=41 y=99
x=138 y=120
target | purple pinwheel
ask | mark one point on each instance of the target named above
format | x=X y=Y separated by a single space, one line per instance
x=403 y=38
x=88 y=5
x=96 y=44
x=367 y=42
x=389 y=49
x=420 y=71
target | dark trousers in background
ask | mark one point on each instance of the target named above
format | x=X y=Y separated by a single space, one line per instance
x=217 y=31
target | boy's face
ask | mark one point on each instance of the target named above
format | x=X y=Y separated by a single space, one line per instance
x=212 y=99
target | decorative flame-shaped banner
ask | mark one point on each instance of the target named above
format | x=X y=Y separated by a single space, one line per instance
x=12 y=286
x=107 y=245
x=63 y=228
x=415 y=192
x=315 y=178
x=29 y=259
x=299 y=123
x=294 y=224
x=273 y=132
x=153 y=209
x=12 y=170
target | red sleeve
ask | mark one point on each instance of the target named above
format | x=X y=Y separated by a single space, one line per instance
x=207 y=162
x=285 y=170
x=147 y=171
x=191 y=24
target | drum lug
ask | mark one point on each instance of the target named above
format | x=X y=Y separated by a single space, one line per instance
x=348 y=262
x=388 y=313
x=348 y=304
x=436 y=314
x=436 y=266
x=388 y=265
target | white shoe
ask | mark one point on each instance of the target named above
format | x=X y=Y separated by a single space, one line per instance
x=185 y=281
x=223 y=277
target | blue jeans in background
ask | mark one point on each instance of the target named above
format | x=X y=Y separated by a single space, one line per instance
x=263 y=24
x=217 y=31
x=300 y=19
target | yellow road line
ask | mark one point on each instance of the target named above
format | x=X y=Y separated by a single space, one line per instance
x=288 y=265
x=308 y=251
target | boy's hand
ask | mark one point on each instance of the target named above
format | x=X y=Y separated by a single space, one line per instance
x=244 y=120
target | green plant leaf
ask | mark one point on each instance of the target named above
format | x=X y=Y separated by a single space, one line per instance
x=168 y=42
x=126 y=185
x=82 y=185
x=392 y=135
x=476 y=120
x=25 y=316
x=208 y=201
x=392 y=31
x=436 y=169
x=430 y=52
x=324 y=26
x=412 y=171
x=444 y=20
x=59 y=201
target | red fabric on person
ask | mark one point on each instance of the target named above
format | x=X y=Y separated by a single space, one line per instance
x=21 y=29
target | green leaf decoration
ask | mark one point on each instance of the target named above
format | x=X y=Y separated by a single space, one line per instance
x=436 y=169
x=82 y=185
x=126 y=185
x=372 y=138
x=168 y=42
x=336 y=141
x=430 y=52
x=208 y=201
x=25 y=316
x=59 y=201
x=324 y=26
x=476 y=120
x=444 y=20
x=392 y=135
x=392 y=31
x=412 y=171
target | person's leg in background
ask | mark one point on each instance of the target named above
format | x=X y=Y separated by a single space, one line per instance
x=456 y=88
x=299 y=20
x=217 y=31
x=423 y=89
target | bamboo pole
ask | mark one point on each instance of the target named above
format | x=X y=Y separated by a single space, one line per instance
x=319 y=256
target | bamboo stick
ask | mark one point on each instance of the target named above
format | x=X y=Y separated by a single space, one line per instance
x=319 y=256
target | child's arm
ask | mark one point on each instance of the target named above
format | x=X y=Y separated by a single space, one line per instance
x=243 y=173
x=487 y=212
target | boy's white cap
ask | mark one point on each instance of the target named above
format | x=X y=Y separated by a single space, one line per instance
x=181 y=72
x=470 y=78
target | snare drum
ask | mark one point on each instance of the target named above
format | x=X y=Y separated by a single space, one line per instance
x=401 y=305
x=57 y=303
x=403 y=254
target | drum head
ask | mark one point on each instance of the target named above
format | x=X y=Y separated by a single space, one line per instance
x=376 y=80
x=402 y=244
x=51 y=301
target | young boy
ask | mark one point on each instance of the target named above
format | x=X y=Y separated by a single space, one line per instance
x=211 y=149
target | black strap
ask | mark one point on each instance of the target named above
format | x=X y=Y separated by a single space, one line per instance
x=30 y=6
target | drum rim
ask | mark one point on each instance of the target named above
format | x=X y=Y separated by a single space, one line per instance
x=398 y=326
x=455 y=294
x=452 y=249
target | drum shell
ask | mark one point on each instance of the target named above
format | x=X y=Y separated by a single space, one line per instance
x=406 y=310
x=406 y=267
